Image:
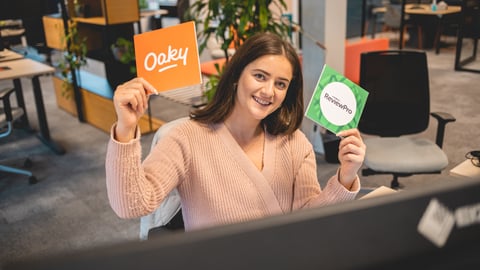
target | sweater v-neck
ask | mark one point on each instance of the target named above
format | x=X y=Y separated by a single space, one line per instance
x=261 y=179
x=241 y=157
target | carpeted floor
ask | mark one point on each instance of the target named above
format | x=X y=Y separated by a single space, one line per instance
x=68 y=209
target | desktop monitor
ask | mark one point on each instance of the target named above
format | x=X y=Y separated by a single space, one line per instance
x=376 y=233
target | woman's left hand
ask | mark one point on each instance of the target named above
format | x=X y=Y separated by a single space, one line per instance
x=351 y=153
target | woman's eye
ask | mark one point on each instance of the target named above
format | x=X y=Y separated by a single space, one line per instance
x=281 y=85
x=259 y=76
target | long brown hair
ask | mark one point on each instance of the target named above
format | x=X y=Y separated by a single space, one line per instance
x=285 y=119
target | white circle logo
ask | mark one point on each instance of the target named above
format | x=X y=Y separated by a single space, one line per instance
x=338 y=104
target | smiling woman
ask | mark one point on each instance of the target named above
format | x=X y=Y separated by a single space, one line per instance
x=261 y=163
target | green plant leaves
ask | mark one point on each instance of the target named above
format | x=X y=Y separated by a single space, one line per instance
x=233 y=21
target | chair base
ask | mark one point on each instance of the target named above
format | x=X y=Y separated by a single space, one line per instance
x=394 y=184
x=27 y=163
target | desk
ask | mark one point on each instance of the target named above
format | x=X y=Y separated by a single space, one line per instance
x=8 y=55
x=29 y=68
x=148 y=13
x=422 y=11
x=152 y=12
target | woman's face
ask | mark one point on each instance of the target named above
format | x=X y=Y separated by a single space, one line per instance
x=262 y=86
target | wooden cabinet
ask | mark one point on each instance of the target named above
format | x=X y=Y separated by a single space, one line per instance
x=54 y=31
x=104 y=12
x=98 y=109
x=101 y=22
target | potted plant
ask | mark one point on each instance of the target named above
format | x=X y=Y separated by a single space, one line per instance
x=122 y=66
x=73 y=59
x=235 y=21
x=80 y=8
x=123 y=51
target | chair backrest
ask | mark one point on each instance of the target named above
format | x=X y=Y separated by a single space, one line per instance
x=392 y=15
x=165 y=128
x=8 y=114
x=171 y=205
x=399 y=98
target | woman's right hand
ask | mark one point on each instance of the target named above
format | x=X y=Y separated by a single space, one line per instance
x=130 y=100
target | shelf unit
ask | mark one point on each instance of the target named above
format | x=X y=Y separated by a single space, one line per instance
x=106 y=12
x=105 y=21
x=102 y=23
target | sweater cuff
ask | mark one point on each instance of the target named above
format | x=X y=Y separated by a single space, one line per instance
x=335 y=187
x=138 y=134
x=355 y=187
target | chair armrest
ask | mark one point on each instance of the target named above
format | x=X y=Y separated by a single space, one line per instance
x=443 y=119
x=5 y=97
x=6 y=92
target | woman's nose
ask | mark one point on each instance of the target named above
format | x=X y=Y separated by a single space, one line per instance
x=269 y=89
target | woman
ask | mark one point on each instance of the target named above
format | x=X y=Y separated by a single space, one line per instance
x=242 y=157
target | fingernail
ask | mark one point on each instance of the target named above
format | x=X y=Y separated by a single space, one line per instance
x=155 y=92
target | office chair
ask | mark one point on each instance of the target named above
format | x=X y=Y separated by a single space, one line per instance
x=8 y=115
x=169 y=213
x=399 y=104
x=392 y=21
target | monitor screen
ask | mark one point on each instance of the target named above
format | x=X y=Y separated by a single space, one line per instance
x=397 y=231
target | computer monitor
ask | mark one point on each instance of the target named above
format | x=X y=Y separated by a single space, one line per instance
x=376 y=233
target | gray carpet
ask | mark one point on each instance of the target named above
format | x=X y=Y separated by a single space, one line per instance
x=68 y=209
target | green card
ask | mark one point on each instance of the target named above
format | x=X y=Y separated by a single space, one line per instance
x=337 y=103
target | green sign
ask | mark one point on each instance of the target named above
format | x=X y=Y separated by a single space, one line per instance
x=337 y=103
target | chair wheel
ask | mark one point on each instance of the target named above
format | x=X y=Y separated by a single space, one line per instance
x=28 y=163
x=32 y=180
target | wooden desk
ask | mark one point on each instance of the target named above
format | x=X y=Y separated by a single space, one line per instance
x=152 y=12
x=32 y=69
x=422 y=10
x=8 y=55
x=148 y=13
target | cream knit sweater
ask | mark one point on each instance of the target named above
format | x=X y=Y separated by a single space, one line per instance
x=217 y=182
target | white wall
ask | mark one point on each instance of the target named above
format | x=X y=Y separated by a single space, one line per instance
x=335 y=33
x=325 y=21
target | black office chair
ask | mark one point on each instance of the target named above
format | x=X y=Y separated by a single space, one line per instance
x=399 y=104
x=8 y=115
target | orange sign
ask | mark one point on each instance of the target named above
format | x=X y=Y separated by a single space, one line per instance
x=168 y=57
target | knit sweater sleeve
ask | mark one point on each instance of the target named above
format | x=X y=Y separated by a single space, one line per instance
x=136 y=188
x=307 y=190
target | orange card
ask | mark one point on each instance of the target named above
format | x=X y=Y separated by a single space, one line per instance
x=168 y=57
